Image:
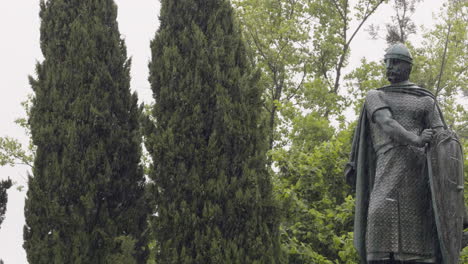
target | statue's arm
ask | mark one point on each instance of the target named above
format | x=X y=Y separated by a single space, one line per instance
x=383 y=117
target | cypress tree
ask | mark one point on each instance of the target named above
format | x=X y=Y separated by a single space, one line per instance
x=85 y=202
x=4 y=186
x=212 y=191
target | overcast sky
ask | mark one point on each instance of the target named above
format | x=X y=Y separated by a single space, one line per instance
x=138 y=21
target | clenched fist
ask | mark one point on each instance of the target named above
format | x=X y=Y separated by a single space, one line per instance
x=425 y=137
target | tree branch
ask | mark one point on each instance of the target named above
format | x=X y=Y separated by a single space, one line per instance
x=363 y=21
x=339 y=10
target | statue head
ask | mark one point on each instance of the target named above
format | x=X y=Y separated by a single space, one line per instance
x=398 y=62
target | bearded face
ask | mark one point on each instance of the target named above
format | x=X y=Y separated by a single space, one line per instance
x=397 y=70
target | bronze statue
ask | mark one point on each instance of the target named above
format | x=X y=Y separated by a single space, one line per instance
x=396 y=220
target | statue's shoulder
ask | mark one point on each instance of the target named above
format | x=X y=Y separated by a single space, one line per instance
x=373 y=92
x=408 y=88
x=402 y=85
x=373 y=95
x=375 y=99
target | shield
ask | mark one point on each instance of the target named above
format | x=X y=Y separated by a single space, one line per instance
x=445 y=163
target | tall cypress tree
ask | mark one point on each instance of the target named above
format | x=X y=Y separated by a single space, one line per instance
x=212 y=191
x=85 y=202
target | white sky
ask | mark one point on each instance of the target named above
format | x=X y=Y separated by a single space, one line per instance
x=138 y=21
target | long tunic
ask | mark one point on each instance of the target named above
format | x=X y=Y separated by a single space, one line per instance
x=400 y=219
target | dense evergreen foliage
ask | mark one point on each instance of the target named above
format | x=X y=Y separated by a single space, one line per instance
x=85 y=202
x=4 y=186
x=211 y=186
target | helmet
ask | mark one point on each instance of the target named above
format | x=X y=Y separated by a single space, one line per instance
x=399 y=51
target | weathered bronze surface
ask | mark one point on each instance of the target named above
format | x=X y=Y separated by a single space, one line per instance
x=445 y=159
x=405 y=209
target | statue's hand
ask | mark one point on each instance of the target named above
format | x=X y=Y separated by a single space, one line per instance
x=426 y=137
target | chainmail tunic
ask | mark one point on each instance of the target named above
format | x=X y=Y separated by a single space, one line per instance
x=400 y=217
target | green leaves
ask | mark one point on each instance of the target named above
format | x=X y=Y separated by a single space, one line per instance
x=277 y=33
x=301 y=49
x=317 y=210
x=368 y=76
x=441 y=63
x=12 y=153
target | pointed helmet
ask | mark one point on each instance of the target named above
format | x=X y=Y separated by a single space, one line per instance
x=399 y=51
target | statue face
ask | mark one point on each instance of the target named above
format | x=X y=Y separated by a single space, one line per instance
x=397 y=70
